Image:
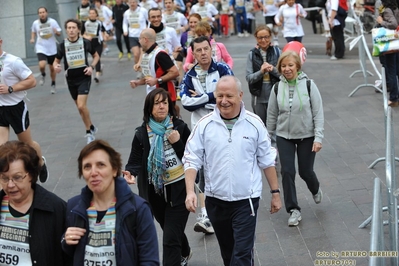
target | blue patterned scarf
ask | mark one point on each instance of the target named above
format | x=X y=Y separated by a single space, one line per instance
x=156 y=165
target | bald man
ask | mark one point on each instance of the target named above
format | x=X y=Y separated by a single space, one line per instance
x=157 y=67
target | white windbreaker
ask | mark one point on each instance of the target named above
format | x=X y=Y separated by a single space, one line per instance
x=232 y=160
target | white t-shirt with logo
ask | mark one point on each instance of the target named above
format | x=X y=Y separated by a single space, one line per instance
x=46 y=43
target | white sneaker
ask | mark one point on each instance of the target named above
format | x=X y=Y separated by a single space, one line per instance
x=94 y=131
x=240 y=35
x=41 y=82
x=318 y=197
x=333 y=58
x=89 y=137
x=295 y=218
x=378 y=83
x=184 y=260
x=53 y=89
x=246 y=34
x=203 y=224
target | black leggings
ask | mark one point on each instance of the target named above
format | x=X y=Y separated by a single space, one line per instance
x=119 y=34
x=287 y=149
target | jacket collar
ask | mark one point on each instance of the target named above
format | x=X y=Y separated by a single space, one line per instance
x=41 y=200
x=243 y=114
x=122 y=192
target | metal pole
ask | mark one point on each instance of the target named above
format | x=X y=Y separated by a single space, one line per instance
x=377 y=233
x=391 y=186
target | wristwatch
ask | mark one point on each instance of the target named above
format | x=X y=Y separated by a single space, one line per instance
x=10 y=89
x=160 y=81
x=275 y=191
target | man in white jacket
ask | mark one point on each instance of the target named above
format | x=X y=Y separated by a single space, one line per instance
x=233 y=146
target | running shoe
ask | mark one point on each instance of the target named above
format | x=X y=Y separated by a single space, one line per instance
x=41 y=82
x=129 y=56
x=44 y=174
x=53 y=89
x=203 y=224
x=120 y=56
x=295 y=218
x=89 y=137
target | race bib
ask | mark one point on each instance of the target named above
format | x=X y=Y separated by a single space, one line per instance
x=75 y=53
x=174 y=166
x=161 y=40
x=134 y=20
x=45 y=30
x=91 y=29
x=84 y=13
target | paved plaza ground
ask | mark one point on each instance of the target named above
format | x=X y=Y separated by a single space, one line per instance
x=354 y=137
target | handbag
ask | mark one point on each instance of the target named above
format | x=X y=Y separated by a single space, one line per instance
x=384 y=41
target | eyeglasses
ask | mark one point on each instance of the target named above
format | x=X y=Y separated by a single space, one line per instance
x=263 y=37
x=15 y=179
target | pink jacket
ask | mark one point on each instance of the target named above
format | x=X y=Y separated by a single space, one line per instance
x=221 y=54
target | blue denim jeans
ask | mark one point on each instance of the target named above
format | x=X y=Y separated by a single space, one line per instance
x=391 y=71
x=243 y=16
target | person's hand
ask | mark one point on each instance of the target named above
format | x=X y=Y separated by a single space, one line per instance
x=265 y=67
x=316 y=146
x=4 y=89
x=191 y=202
x=130 y=179
x=32 y=40
x=137 y=67
x=57 y=68
x=134 y=83
x=173 y=136
x=55 y=31
x=379 y=19
x=125 y=34
x=264 y=10
x=88 y=71
x=193 y=93
x=73 y=235
x=151 y=81
x=279 y=24
x=275 y=204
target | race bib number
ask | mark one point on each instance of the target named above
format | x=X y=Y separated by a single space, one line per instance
x=84 y=13
x=75 y=53
x=8 y=259
x=173 y=22
x=174 y=166
x=45 y=31
x=91 y=29
x=134 y=21
x=161 y=40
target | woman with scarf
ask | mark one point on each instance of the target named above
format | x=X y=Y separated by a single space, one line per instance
x=155 y=163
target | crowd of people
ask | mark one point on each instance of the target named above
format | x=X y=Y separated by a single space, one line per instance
x=176 y=57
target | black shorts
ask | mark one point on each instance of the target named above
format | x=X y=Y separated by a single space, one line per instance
x=270 y=20
x=134 y=41
x=48 y=58
x=16 y=116
x=79 y=87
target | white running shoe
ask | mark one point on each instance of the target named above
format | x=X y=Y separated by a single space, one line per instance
x=295 y=218
x=203 y=224
x=89 y=137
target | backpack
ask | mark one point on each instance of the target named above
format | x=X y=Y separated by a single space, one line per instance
x=308 y=85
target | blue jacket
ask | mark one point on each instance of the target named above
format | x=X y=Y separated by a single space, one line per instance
x=204 y=99
x=129 y=250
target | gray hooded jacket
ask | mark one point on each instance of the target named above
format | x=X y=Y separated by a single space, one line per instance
x=303 y=119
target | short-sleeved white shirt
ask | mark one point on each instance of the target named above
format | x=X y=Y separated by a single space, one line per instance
x=45 y=44
x=13 y=71
x=211 y=11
